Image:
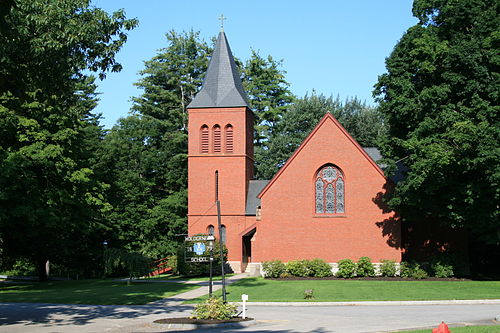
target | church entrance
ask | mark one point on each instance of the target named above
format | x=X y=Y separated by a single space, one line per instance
x=247 y=249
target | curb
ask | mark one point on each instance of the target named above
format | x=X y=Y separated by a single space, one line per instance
x=375 y=303
x=240 y=324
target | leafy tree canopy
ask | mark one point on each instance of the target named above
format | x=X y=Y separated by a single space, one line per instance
x=268 y=93
x=146 y=169
x=440 y=97
x=146 y=153
x=51 y=203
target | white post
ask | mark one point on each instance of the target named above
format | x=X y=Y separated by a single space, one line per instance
x=244 y=298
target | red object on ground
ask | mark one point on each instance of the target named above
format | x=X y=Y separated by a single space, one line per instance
x=160 y=267
x=442 y=328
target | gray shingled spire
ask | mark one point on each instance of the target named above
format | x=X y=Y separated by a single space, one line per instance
x=222 y=85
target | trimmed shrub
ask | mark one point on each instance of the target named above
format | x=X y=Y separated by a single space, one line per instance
x=419 y=273
x=365 y=267
x=273 y=268
x=405 y=269
x=347 y=268
x=298 y=268
x=412 y=270
x=447 y=265
x=441 y=269
x=319 y=268
x=214 y=308
x=388 y=268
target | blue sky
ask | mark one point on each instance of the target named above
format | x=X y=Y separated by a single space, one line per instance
x=335 y=47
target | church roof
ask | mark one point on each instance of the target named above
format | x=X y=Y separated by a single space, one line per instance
x=222 y=86
x=374 y=153
x=254 y=188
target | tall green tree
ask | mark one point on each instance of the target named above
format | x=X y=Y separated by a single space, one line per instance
x=268 y=94
x=440 y=96
x=51 y=203
x=146 y=153
x=171 y=79
x=147 y=185
x=363 y=122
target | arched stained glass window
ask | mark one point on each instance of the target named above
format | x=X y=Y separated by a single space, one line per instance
x=329 y=191
x=340 y=196
x=330 y=199
x=319 y=196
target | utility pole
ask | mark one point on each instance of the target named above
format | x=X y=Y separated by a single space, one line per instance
x=220 y=236
x=211 y=239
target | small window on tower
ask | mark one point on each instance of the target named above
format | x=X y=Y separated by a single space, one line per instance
x=229 y=138
x=211 y=230
x=217 y=139
x=204 y=139
x=223 y=229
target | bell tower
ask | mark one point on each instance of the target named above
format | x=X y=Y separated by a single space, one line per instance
x=220 y=126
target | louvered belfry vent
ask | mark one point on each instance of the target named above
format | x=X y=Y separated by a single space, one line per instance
x=229 y=139
x=204 y=139
x=217 y=139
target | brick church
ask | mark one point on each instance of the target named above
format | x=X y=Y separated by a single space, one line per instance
x=321 y=204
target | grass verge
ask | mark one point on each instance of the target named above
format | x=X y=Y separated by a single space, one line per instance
x=99 y=292
x=466 y=329
x=262 y=290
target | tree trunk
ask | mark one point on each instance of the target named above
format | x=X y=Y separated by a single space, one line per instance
x=42 y=270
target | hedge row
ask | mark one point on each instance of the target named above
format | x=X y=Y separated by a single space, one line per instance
x=442 y=267
x=299 y=268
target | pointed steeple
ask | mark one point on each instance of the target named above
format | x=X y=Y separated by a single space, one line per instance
x=222 y=86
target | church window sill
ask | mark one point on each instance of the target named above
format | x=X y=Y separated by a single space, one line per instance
x=330 y=216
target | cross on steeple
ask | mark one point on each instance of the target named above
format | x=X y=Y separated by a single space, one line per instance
x=222 y=18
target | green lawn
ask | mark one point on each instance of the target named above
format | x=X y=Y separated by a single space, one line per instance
x=90 y=292
x=468 y=329
x=258 y=289
x=262 y=290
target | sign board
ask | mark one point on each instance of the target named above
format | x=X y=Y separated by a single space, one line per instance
x=199 y=238
x=197 y=248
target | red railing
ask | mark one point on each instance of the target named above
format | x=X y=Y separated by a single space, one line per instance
x=159 y=266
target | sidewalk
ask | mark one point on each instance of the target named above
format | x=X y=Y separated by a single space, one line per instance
x=195 y=293
x=382 y=303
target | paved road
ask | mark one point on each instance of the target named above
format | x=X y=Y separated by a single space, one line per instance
x=41 y=318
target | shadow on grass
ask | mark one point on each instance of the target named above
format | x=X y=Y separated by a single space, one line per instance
x=100 y=292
